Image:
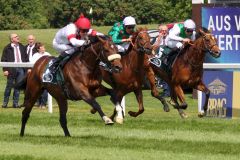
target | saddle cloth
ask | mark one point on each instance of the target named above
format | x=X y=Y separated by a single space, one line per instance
x=56 y=78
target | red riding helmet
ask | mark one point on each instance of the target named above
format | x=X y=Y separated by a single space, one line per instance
x=83 y=22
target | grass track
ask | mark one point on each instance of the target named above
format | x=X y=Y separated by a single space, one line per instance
x=153 y=135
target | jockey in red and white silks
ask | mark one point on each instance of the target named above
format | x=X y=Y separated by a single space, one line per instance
x=67 y=40
x=181 y=33
x=73 y=35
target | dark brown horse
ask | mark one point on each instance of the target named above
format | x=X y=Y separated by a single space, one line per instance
x=81 y=74
x=132 y=75
x=187 y=70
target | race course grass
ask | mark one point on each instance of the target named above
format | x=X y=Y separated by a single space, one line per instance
x=153 y=135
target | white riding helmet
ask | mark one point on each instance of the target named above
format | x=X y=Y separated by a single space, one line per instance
x=190 y=24
x=128 y=21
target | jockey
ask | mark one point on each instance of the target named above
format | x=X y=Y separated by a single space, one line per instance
x=121 y=32
x=181 y=33
x=70 y=37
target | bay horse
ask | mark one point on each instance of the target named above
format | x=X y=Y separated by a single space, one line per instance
x=187 y=69
x=81 y=74
x=131 y=77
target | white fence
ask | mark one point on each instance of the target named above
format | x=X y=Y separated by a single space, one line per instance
x=26 y=65
x=215 y=66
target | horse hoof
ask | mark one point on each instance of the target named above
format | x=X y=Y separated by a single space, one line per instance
x=201 y=114
x=132 y=114
x=182 y=114
x=119 y=120
x=107 y=120
x=93 y=111
x=166 y=108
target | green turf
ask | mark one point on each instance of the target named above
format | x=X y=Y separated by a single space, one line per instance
x=153 y=135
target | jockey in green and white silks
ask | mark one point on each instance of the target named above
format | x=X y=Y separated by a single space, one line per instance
x=121 y=33
x=181 y=33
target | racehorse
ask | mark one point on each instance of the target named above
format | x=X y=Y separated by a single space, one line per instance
x=131 y=77
x=187 y=69
x=82 y=80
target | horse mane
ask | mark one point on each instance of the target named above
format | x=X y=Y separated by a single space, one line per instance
x=198 y=35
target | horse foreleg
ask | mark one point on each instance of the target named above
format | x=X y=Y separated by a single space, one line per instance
x=175 y=102
x=151 y=77
x=88 y=98
x=139 y=97
x=103 y=91
x=118 y=110
x=180 y=95
x=203 y=88
x=63 y=108
x=29 y=100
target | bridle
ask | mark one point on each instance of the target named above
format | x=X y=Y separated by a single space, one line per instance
x=102 y=57
x=207 y=47
x=142 y=48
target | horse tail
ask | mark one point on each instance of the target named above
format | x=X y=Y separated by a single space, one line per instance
x=22 y=84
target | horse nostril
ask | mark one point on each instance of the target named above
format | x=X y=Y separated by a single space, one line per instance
x=118 y=69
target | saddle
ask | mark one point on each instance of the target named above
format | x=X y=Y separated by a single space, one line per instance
x=166 y=60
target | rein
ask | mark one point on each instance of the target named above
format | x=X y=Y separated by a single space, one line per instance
x=142 y=48
x=210 y=47
x=97 y=57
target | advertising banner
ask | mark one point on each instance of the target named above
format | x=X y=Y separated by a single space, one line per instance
x=224 y=89
x=225 y=25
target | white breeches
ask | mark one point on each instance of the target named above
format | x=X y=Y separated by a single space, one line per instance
x=61 y=48
x=123 y=47
x=173 y=44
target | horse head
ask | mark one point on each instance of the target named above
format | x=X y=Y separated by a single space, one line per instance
x=109 y=54
x=141 y=41
x=210 y=43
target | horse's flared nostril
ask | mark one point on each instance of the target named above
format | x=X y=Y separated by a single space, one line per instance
x=218 y=54
x=117 y=69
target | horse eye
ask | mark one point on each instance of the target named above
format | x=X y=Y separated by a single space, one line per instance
x=207 y=40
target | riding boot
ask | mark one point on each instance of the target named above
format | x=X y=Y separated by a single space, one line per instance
x=55 y=65
x=171 y=55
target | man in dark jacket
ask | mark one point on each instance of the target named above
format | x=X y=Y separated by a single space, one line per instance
x=30 y=47
x=13 y=52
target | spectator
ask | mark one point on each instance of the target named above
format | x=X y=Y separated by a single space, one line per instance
x=160 y=46
x=121 y=32
x=13 y=52
x=161 y=41
x=42 y=101
x=30 y=47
